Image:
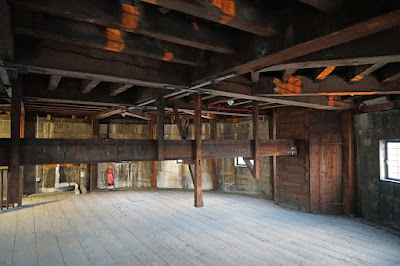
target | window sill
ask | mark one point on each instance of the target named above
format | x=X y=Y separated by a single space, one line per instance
x=391 y=180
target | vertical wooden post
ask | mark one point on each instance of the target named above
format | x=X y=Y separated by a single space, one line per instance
x=256 y=140
x=14 y=194
x=349 y=193
x=93 y=168
x=272 y=160
x=160 y=127
x=198 y=197
x=213 y=133
x=1 y=190
x=274 y=176
x=152 y=132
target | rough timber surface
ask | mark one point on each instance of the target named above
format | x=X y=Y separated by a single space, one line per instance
x=161 y=227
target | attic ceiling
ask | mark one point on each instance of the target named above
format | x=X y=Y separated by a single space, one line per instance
x=106 y=58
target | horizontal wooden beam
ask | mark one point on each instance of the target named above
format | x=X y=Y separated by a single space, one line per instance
x=136 y=19
x=335 y=62
x=55 y=151
x=357 y=31
x=75 y=61
x=228 y=12
x=91 y=35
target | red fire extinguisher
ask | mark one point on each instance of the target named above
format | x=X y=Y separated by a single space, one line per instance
x=110 y=178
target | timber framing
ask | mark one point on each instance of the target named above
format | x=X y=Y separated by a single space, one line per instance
x=55 y=151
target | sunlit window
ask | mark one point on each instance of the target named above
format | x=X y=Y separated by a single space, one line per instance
x=239 y=161
x=390 y=160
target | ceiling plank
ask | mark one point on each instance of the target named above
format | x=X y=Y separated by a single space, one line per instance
x=230 y=13
x=89 y=85
x=367 y=71
x=54 y=81
x=134 y=19
x=118 y=88
x=90 y=35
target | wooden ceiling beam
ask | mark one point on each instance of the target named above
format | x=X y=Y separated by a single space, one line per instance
x=367 y=71
x=86 y=63
x=231 y=13
x=54 y=81
x=118 y=88
x=90 y=35
x=335 y=62
x=354 y=32
x=89 y=85
x=136 y=19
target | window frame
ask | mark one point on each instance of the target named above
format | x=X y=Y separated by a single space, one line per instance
x=237 y=164
x=383 y=154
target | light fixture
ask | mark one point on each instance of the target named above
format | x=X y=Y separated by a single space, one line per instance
x=230 y=101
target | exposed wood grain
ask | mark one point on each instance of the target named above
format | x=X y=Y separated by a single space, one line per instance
x=349 y=190
x=198 y=196
x=54 y=81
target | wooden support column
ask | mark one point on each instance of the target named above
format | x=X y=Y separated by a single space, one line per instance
x=160 y=127
x=272 y=160
x=183 y=134
x=198 y=197
x=349 y=192
x=14 y=194
x=256 y=140
x=213 y=131
x=93 y=168
x=152 y=132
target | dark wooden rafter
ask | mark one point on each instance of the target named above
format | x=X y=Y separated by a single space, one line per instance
x=6 y=36
x=90 y=35
x=357 y=31
x=227 y=12
x=118 y=88
x=133 y=18
x=54 y=81
x=160 y=127
x=78 y=62
x=89 y=85
x=367 y=71
x=355 y=61
x=198 y=195
x=287 y=74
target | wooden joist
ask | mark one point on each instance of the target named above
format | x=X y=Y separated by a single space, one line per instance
x=54 y=81
x=67 y=60
x=137 y=114
x=135 y=19
x=110 y=112
x=118 y=88
x=354 y=32
x=355 y=61
x=367 y=71
x=91 y=35
x=89 y=85
x=227 y=12
x=287 y=74
x=325 y=73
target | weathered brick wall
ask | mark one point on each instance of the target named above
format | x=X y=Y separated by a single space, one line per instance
x=239 y=179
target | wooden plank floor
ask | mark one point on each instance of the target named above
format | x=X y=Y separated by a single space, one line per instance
x=149 y=227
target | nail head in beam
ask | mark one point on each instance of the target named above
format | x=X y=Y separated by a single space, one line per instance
x=198 y=197
x=89 y=85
